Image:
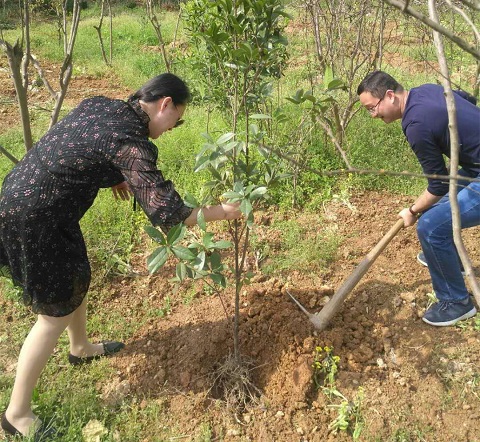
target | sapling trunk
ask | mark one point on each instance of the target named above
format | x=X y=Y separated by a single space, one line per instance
x=236 y=326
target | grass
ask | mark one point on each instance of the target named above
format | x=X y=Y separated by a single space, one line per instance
x=298 y=247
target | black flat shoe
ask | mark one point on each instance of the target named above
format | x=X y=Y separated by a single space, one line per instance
x=109 y=348
x=42 y=434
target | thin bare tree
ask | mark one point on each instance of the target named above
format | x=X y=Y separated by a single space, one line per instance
x=152 y=16
x=20 y=56
x=451 y=34
x=454 y=150
x=67 y=65
x=105 y=4
x=349 y=40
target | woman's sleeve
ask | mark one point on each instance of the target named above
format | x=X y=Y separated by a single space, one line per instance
x=157 y=196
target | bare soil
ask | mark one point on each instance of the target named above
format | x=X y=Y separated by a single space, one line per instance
x=420 y=382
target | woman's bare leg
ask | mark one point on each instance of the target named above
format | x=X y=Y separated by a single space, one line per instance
x=36 y=350
x=77 y=334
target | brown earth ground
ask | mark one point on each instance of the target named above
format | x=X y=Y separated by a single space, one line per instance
x=420 y=383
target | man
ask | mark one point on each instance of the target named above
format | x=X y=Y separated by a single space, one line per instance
x=424 y=117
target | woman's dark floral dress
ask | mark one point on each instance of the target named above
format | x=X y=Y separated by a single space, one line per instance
x=101 y=143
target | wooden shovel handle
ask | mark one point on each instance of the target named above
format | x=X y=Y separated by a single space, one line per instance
x=331 y=307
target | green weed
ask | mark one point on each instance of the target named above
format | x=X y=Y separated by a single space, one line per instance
x=300 y=247
x=431 y=299
x=205 y=433
x=349 y=413
x=470 y=324
x=325 y=369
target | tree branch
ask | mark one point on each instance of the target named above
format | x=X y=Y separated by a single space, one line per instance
x=8 y=155
x=472 y=4
x=379 y=172
x=435 y=26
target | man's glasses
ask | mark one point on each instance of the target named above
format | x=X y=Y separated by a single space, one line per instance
x=373 y=109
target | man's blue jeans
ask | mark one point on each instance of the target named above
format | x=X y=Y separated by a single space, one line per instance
x=435 y=233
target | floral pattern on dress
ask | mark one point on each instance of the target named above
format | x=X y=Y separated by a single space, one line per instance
x=101 y=143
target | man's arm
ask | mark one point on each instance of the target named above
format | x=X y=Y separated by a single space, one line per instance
x=423 y=202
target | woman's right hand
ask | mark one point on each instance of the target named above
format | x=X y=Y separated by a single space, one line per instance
x=224 y=211
x=231 y=210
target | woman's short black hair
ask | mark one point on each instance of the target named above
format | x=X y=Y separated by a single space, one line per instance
x=378 y=83
x=163 y=85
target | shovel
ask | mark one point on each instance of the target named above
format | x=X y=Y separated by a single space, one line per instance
x=321 y=319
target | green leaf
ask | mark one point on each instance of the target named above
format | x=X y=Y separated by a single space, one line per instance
x=181 y=271
x=201 y=220
x=246 y=207
x=258 y=192
x=232 y=195
x=202 y=163
x=208 y=137
x=155 y=234
x=218 y=279
x=215 y=261
x=250 y=220
x=184 y=253
x=238 y=187
x=335 y=84
x=199 y=261
x=207 y=240
x=176 y=233
x=157 y=259
x=191 y=201
x=225 y=137
x=222 y=244
x=293 y=100
x=260 y=117
x=328 y=77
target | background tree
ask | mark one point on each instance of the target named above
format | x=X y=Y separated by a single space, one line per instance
x=20 y=56
x=106 y=4
x=350 y=37
x=151 y=9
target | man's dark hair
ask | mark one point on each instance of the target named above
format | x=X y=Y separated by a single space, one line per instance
x=378 y=83
x=163 y=85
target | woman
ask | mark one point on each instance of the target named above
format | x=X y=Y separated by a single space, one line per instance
x=101 y=143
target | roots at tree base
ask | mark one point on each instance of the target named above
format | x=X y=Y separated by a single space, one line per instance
x=233 y=383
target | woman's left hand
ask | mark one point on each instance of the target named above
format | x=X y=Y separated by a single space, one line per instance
x=122 y=191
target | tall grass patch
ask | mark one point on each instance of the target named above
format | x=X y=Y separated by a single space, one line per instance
x=306 y=246
x=377 y=146
x=111 y=230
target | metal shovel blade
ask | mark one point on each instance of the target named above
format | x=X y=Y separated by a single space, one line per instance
x=321 y=319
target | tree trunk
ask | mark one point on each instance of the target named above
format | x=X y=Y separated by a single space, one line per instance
x=15 y=57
